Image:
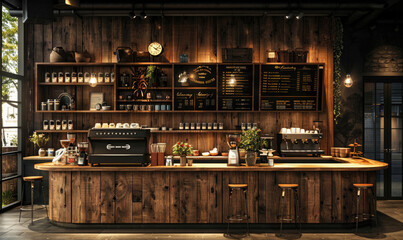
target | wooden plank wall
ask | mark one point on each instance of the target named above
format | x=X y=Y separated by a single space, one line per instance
x=200 y=197
x=202 y=38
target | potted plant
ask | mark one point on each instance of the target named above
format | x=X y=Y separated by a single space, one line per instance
x=39 y=140
x=251 y=142
x=182 y=149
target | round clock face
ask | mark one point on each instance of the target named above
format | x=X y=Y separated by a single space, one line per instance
x=155 y=49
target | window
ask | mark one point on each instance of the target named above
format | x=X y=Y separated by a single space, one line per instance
x=10 y=108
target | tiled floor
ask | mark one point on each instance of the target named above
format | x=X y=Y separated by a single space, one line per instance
x=390 y=226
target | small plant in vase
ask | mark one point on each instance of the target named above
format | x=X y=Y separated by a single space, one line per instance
x=39 y=140
x=251 y=141
x=182 y=149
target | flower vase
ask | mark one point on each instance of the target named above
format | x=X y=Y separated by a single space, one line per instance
x=182 y=161
x=41 y=152
x=250 y=158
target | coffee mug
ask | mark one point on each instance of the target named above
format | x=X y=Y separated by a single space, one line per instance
x=122 y=107
x=143 y=107
x=135 y=107
x=98 y=125
x=163 y=107
x=119 y=125
x=168 y=107
x=129 y=107
x=126 y=125
x=157 y=107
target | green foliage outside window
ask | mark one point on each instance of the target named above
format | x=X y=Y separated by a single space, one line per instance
x=9 y=50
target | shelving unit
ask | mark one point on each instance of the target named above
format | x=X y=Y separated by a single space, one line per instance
x=112 y=90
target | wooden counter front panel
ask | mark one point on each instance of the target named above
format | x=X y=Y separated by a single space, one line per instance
x=198 y=197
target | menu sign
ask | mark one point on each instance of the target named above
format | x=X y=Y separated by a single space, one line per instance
x=184 y=100
x=290 y=87
x=195 y=100
x=235 y=87
x=195 y=75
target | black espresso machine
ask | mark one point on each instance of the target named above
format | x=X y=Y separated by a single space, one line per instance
x=299 y=144
x=119 y=146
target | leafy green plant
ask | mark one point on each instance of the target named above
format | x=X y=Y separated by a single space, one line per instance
x=39 y=140
x=251 y=140
x=182 y=149
x=337 y=52
x=8 y=196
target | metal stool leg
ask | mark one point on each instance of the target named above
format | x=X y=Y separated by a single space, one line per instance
x=358 y=207
x=296 y=212
x=374 y=206
x=282 y=210
x=228 y=217
x=32 y=201
x=22 y=198
x=246 y=215
x=43 y=198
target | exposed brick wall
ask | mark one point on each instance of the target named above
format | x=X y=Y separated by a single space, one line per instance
x=385 y=58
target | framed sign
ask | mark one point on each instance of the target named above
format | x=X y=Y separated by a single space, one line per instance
x=95 y=98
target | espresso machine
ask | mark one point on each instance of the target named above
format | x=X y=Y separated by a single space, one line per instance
x=82 y=153
x=305 y=144
x=233 y=141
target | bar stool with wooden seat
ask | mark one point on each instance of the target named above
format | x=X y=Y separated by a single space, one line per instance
x=362 y=190
x=32 y=180
x=242 y=215
x=294 y=189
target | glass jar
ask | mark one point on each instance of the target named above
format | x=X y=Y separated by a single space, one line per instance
x=71 y=155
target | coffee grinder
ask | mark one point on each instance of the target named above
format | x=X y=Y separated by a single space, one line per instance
x=233 y=141
x=82 y=156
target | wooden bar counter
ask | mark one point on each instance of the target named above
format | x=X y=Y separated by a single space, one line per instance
x=199 y=194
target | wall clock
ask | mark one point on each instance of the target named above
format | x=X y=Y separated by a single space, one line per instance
x=155 y=49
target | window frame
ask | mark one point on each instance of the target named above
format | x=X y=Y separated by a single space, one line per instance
x=18 y=153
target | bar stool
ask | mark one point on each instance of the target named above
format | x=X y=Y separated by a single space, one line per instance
x=241 y=215
x=32 y=180
x=290 y=188
x=363 y=188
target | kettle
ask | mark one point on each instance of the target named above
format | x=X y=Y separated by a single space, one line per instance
x=124 y=54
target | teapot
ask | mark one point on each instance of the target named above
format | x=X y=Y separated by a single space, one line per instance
x=124 y=54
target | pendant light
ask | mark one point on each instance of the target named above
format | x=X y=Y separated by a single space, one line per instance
x=348 y=81
x=93 y=80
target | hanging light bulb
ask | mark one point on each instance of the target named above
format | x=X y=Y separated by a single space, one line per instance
x=183 y=77
x=93 y=80
x=348 y=81
x=289 y=15
x=232 y=80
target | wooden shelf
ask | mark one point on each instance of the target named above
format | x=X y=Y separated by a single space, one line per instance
x=149 y=88
x=75 y=84
x=37 y=158
x=74 y=64
x=197 y=131
x=61 y=131
x=195 y=88
x=145 y=100
x=144 y=64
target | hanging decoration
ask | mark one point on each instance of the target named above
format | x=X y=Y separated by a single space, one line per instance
x=337 y=78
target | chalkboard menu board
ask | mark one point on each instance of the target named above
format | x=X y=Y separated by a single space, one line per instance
x=235 y=87
x=195 y=99
x=195 y=75
x=291 y=87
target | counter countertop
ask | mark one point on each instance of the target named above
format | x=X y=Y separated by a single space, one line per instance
x=346 y=164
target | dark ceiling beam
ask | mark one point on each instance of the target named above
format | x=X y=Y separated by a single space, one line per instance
x=12 y=4
x=370 y=17
x=268 y=5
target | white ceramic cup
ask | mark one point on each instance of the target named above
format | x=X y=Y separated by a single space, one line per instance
x=112 y=125
x=293 y=130
x=126 y=125
x=105 y=125
x=283 y=130
x=288 y=130
x=302 y=130
x=119 y=125
x=297 y=130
